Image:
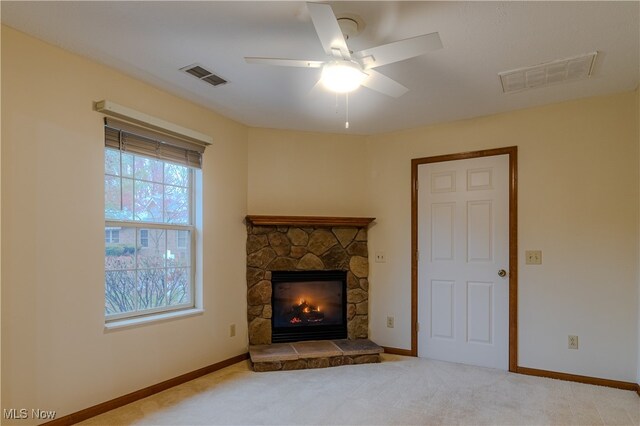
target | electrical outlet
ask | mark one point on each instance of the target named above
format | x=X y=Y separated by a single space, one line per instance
x=380 y=257
x=232 y=330
x=390 y=322
x=533 y=257
x=573 y=342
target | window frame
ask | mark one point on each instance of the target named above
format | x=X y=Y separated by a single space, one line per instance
x=139 y=225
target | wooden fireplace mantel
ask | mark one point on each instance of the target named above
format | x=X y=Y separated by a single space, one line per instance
x=260 y=220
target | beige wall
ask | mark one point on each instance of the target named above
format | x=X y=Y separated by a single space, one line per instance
x=307 y=174
x=56 y=354
x=578 y=203
x=578 y=199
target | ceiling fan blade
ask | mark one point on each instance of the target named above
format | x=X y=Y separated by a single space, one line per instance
x=399 y=50
x=383 y=84
x=328 y=30
x=317 y=89
x=284 y=62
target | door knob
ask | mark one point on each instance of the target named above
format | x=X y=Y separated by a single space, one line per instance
x=502 y=273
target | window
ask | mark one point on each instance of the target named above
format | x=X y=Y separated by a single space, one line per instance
x=183 y=239
x=144 y=238
x=111 y=236
x=150 y=214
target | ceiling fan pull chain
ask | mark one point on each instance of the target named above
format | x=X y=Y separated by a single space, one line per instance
x=346 y=123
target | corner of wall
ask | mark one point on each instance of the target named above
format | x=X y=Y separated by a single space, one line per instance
x=0 y=210
x=638 y=265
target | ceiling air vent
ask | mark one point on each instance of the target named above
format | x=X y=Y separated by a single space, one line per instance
x=203 y=74
x=562 y=70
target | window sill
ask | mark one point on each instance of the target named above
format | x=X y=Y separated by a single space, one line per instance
x=164 y=316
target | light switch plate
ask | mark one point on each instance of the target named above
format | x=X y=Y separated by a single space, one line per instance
x=533 y=257
x=573 y=342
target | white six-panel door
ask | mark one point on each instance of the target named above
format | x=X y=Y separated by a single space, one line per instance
x=463 y=243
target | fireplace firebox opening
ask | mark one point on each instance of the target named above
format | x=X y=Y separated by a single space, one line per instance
x=308 y=305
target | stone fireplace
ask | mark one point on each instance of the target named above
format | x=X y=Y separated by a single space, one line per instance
x=282 y=245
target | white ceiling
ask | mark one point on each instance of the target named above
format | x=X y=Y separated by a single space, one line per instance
x=152 y=40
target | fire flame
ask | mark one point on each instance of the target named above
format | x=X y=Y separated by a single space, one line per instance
x=305 y=312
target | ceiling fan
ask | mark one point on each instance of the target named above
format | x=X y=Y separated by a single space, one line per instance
x=345 y=70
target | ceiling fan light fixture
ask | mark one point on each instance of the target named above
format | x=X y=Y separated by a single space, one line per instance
x=342 y=76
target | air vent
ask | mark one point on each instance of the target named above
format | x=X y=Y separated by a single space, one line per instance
x=559 y=71
x=204 y=74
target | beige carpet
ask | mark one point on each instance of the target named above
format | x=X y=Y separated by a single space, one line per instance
x=400 y=390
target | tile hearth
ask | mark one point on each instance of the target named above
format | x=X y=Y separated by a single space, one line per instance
x=313 y=354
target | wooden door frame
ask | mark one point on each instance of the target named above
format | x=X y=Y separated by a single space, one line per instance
x=512 y=152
